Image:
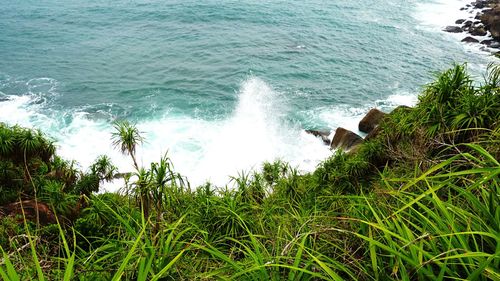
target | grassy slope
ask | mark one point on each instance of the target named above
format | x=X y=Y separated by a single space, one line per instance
x=419 y=201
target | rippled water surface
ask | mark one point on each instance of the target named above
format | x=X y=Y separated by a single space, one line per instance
x=222 y=85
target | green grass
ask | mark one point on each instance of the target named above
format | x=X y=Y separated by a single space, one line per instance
x=419 y=201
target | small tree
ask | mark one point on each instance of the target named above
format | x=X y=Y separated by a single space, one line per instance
x=126 y=137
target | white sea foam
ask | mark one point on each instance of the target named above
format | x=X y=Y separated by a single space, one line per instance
x=201 y=150
x=394 y=100
x=254 y=133
x=342 y=116
x=348 y=117
x=437 y=14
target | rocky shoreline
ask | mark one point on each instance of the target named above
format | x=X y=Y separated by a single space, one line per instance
x=482 y=27
x=483 y=22
x=348 y=140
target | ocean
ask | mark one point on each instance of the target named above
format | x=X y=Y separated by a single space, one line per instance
x=220 y=85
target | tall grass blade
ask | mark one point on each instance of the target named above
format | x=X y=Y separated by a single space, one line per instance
x=167 y=267
x=10 y=273
x=121 y=269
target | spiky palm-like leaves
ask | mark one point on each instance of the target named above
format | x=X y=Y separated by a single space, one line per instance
x=21 y=144
x=126 y=137
x=53 y=194
x=103 y=168
x=142 y=187
x=166 y=186
x=364 y=215
x=440 y=96
x=456 y=107
x=6 y=141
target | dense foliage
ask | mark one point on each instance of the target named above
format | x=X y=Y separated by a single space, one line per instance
x=418 y=200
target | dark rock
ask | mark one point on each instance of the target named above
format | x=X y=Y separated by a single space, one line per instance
x=345 y=139
x=492 y=43
x=469 y=39
x=487 y=42
x=460 y=21
x=323 y=135
x=453 y=29
x=481 y=4
x=376 y=131
x=371 y=120
x=318 y=133
x=467 y=24
x=463 y=9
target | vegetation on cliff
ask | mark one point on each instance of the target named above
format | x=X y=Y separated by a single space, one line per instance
x=418 y=200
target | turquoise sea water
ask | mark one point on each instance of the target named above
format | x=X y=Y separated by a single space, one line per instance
x=222 y=85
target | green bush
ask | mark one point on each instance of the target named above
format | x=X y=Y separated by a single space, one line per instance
x=417 y=201
x=9 y=228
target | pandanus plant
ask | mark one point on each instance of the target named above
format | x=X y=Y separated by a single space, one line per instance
x=103 y=168
x=166 y=185
x=156 y=186
x=6 y=141
x=127 y=137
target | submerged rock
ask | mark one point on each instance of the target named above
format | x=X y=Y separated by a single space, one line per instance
x=480 y=4
x=323 y=135
x=487 y=42
x=371 y=120
x=467 y=24
x=491 y=43
x=453 y=29
x=469 y=39
x=345 y=139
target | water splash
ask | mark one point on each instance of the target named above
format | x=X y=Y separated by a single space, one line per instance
x=202 y=150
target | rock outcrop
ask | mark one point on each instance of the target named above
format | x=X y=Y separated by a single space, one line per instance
x=345 y=139
x=491 y=20
x=486 y=17
x=371 y=120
